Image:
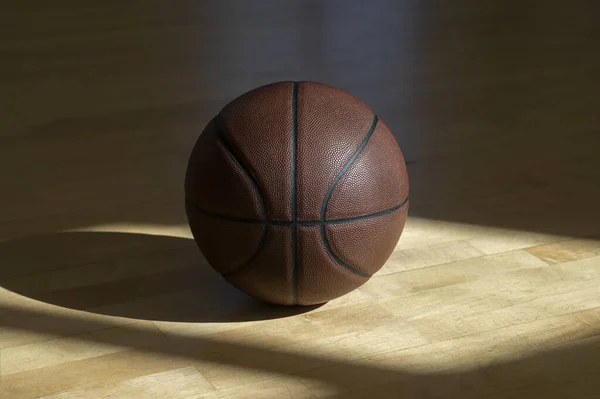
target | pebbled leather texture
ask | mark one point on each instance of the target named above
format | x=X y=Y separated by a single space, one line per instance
x=362 y=192
x=268 y=277
x=296 y=192
x=321 y=278
x=331 y=126
x=246 y=236
x=258 y=125
x=217 y=183
x=366 y=244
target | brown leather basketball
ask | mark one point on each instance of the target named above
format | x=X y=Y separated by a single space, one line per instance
x=297 y=193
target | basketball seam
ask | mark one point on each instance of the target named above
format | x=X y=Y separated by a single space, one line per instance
x=221 y=137
x=294 y=193
x=245 y=265
x=330 y=192
x=229 y=148
x=237 y=219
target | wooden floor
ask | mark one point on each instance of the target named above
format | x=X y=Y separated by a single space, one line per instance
x=493 y=290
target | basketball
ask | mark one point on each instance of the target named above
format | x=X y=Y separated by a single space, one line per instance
x=296 y=193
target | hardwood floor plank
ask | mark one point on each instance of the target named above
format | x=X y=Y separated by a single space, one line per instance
x=185 y=382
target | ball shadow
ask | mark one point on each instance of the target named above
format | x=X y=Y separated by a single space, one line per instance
x=135 y=276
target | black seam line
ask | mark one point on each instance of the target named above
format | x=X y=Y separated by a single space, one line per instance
x=248 y=262
x=221 y=137
x=330 y=192
x=294 y=193
x=369 y=216
x=347 y=166
x=298 y=222
x=223 y=216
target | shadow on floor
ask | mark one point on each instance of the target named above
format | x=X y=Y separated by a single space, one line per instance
x=127 y=275
x=568 y=371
